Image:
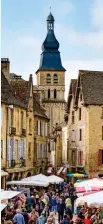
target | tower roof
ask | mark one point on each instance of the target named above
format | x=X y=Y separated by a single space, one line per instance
x=50 y=56
x=50 y=17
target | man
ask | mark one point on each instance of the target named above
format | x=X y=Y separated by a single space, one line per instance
x=25 y=215
x=18 y=218
x=65 y=220
x=53 y=204
x=42 y=219
x=60 y=209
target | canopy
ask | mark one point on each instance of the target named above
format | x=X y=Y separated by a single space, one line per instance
x=55 y=179
x=5 y=195
x=86 y=189
x=40 y=177
x=90 y=183
x=92 y=200
x=3 y=173
x=29 y=183
x=2 y=206
x=76 y=175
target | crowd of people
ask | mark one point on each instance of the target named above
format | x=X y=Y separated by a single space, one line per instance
x=49 y=206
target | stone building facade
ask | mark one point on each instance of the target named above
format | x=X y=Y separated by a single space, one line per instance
x=51 y=79
x=85 y=123
x=20 y=112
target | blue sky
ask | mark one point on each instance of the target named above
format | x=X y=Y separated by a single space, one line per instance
x=78 y=28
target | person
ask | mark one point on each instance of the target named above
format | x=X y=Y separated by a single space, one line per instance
x=60 y=209
x=51 y=216
x=68 y=202
x=18 y=218
x=65 y=220
x=25 y=215
x=41 y=219
x=46 y=211
x=29 y=203
x=69 y=212
x=87 y=220
x=53 y=203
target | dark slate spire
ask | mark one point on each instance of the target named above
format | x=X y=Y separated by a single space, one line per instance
x=50 y=57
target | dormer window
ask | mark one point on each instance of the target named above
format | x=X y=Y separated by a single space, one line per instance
x=55 y=78
x=48 y=78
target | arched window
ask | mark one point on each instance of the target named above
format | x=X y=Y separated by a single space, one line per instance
x=48 y=78
x=48 y=93
x=55 y=78
x=55 y=94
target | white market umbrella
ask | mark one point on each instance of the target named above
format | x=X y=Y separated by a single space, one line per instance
x=5 y=195
x=2 y=206
x=95 y=182
x=28 y=183
x=40 y=177
x=92 y=200
x=55 y=179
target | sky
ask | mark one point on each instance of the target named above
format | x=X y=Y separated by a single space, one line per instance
x=78 y=28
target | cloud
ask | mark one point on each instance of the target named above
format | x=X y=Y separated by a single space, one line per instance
x=96 y=11
x=82 y=39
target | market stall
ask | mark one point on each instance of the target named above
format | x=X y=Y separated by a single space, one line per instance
x=29 y=183
x=92 y=200
x=5 y=195
x=2 y=206
x=55 y=179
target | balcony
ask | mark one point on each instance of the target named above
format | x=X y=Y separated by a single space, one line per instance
x=12 y=131
x=23 y=132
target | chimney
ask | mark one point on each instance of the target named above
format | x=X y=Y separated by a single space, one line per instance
x=5 y=67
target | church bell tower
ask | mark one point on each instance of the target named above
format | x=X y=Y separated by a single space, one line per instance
x=51 y=77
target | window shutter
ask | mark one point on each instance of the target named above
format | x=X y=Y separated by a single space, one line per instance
x=46 y=129
x=42 y=128
x=78 y=157
x=73 y=136
x=9 y=153
x=13 y=149
x=100 y=157
x=24 y=149
x=38 y=127
x=19 y=149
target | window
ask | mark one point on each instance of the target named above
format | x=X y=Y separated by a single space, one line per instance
x=79 y=113
x=30 y=125
x=102 y=132
x=80 y=157
x=55 y=94
x=40 y=128
x=80 y=134
x=73 y=117
x=29 y=150
x=81 y=97
x=102 y=113
x=11 y=117
x=73 y=157
x=21 y=122
x=2 y=149
x=102 y=156
x=73 y=136
x=18 y=119
x=48 y=78
x=55 y=78
x=48 y=93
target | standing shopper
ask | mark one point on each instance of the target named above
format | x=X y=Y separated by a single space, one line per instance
x=60 y=209
x=18 y=218
x=53 y=204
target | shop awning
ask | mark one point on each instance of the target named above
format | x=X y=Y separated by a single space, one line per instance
x=5 y=195
x=3 y=173
x=76 y=175
x=60 y=170
x=2 y=206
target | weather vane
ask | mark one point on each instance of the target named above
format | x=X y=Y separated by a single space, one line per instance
x=50 y=8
